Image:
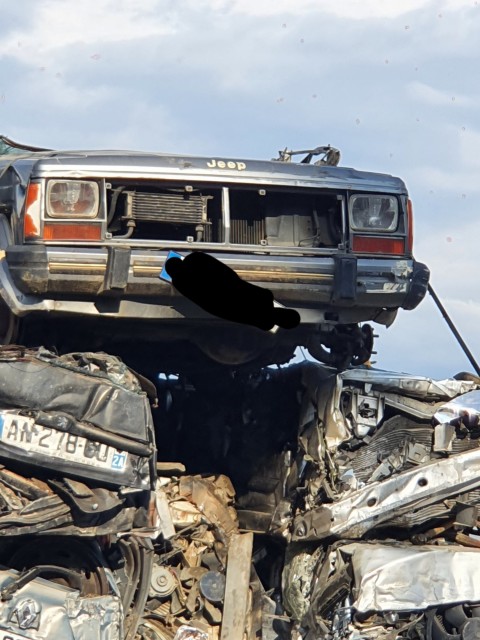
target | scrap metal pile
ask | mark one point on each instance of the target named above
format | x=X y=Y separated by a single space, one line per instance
x=385 y=541
x=314 y=505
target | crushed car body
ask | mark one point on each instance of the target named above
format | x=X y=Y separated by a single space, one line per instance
x=312 y=504
x=95 y=542
x=86 y=234
x=393 y=504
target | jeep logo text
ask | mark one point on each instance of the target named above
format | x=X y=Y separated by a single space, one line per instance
x=230 y=164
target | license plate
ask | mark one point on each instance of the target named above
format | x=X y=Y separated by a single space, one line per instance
x=22 y=432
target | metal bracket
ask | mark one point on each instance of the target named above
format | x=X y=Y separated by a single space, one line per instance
x=118 y=266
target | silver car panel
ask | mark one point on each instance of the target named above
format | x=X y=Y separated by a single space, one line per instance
x=391 y=577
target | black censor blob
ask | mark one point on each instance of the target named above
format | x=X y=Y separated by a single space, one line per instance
x=220 y=291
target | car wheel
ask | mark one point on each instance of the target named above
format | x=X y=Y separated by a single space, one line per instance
x=343 y=346
x=364 y=346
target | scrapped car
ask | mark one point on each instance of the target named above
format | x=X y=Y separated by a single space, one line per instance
x=85 y=236
x=287 y=504
x=385 y=539
x=76 y=483
x=362 y=489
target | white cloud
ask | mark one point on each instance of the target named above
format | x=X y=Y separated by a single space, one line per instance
x=351 y=9
x=470 y=151
x=452 y=253
x=365 y=9
x=154 y=127
x=61 y=23
x=457 y=180
x=58 y=94
x=436 y=97
x=453 y=156
x=456 y=5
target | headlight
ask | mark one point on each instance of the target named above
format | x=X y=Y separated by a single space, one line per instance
x=373 y=213
x=72 y=199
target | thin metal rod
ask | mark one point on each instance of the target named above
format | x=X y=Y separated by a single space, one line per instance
x=454 y=330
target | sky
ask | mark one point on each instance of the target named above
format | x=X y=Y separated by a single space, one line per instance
x=394 y=84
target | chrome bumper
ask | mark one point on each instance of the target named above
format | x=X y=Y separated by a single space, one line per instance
x=124 y=282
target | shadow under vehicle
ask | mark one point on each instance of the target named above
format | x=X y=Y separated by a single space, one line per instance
x=84 y=236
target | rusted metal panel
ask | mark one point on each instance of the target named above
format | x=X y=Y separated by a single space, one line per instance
x=237 y=587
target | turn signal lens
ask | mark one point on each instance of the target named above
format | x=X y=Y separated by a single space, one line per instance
x=59 y=231
x=386 y=246
x=31 y=220
x=410 y=226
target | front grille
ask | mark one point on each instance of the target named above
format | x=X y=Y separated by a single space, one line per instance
x=172 y=208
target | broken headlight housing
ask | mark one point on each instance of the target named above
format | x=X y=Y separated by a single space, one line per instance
x=377 y=213
x=72 y=199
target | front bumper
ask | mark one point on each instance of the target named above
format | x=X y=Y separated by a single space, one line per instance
x=124 y=282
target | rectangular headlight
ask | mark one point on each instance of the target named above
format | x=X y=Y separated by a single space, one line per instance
x=72 y=199
x=373 y=213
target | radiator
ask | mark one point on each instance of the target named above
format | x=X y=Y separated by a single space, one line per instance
x=171 y=208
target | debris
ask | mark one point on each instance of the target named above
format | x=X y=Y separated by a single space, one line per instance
x=342 y=492
x=235 y=623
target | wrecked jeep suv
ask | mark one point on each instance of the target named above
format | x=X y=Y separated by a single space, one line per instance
x=85 y=235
